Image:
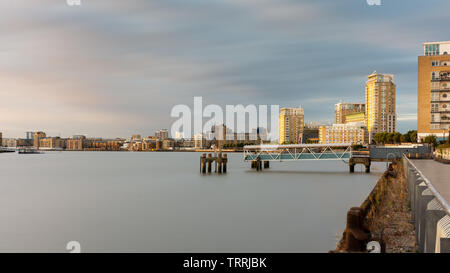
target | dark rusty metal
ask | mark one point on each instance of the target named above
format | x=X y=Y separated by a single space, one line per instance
x=356 y=236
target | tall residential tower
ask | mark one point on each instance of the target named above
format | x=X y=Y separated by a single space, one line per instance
x=380 y=104
x=291 y=123
x=433 y=101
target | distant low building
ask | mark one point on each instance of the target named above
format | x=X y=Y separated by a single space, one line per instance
x=9 y=142
x=22 y=142
x=162 y=134
x=136 y=138
x=98 y=144
x=310 y=134
x=199 y=141
x=37 y=137
x=355 y=133
x=74 y=145
x=51 y=143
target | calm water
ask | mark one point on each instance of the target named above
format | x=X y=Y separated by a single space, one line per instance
x=159 y=202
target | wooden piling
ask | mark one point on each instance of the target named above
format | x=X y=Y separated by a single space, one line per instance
x=225 y=160
x=203 y=163
x=209 y=162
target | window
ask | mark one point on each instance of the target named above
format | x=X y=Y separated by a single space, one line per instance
x=434 y=107
x=435 y=63
x=435 y=86
x=434 y=96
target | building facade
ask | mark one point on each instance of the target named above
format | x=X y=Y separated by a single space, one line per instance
x=355 y=133
x=342 y=110
x=433 y=94
x=291 y=123
x=51 y=143
x=162 y=134
x=37 y=137
x=380 y=104
x=356 y=117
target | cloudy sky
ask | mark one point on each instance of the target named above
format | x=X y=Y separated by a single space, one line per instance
x=113 y=68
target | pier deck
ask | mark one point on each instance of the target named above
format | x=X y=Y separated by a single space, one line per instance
x=438 y=174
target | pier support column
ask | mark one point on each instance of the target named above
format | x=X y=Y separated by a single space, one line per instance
x=417 y=194
x=209 y=162
x=352 y=168
x=414 y=195
x=424 y=199
x=258 y=164
x=433 y=214
x=225 y=161
x=203 y=163
x=442 y=235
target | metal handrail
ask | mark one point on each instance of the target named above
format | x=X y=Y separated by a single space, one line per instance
x=435 y=192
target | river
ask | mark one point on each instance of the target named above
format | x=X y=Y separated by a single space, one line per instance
x=159 y=202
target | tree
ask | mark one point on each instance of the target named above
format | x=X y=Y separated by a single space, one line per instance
x=404 y=138
x=389 y=137
x=431 y=140
x=397 y=137
x=412 y=136
x=378 y=138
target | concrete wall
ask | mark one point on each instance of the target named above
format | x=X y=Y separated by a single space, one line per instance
x=431 y=222
x=384 y=152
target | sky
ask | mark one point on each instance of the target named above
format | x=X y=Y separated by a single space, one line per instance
x=115 y=68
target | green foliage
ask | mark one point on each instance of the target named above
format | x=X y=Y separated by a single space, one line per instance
x=444 y=146
x=395 y=138
x=430 y=140
x=357 y=147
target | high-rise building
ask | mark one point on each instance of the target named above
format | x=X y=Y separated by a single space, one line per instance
x=355 y=133
x=29 y=135
x=162 y=134
x=342 y=110
x=380 y=104
x=136 y=138
x=433 y=90
x=36 y=138
x=291 y=123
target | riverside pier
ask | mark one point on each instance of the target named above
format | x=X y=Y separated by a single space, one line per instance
x=257 y=154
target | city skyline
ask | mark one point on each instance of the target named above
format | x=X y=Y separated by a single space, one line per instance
x=97 y=70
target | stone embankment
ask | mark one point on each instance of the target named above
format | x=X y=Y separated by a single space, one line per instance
x=384 y=217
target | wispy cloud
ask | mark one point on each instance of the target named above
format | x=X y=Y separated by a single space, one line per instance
x=114 y=67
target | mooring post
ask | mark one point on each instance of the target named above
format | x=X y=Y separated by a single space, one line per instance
x=209 y=162
x=352 y=168
x=203 y=162
x=225 y=160
x=219 y=162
